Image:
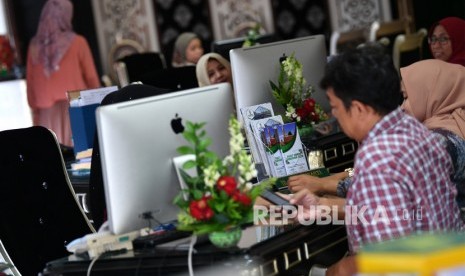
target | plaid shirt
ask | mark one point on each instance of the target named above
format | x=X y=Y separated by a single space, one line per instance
x=401 y=184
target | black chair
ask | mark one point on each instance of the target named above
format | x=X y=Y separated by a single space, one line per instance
x=97 y=203
x=131 y=67
x=408 y=48
x=40 y=211
x=177 y=78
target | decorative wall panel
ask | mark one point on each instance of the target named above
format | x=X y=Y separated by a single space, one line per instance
x=348 y=15
x=233 y=18
x=298 y=18
x=118 y=20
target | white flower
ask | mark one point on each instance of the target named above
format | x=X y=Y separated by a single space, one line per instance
x=234 y=146
x=228 y=160
x=290 y=111
x=211 y=175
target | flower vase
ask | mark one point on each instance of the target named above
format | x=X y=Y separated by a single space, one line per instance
x=307 y=134
x=226 y=239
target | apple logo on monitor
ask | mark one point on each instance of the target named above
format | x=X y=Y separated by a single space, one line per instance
x=176 y=124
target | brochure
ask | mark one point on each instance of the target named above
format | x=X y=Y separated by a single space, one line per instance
x=273 y=152
x=258 y=127
x=249 y=114
x=291 y=146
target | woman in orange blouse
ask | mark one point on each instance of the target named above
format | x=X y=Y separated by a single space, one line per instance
x=59 y=60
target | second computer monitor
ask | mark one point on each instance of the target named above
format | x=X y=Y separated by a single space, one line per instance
x=223 y=47
x=253 y=68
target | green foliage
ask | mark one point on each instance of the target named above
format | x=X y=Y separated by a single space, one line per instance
x=223 y=206
x=293 y=93
x=252 y=36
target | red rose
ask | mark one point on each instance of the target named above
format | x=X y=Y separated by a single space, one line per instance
x=242 y=198
x=301 y=112
x=200 y=210
x=309 y=104
x=227 y=184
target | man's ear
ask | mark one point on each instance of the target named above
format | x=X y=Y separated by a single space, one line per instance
x=364 y=114
x=362 y=111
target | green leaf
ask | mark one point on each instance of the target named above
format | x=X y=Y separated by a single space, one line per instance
x=223 y=196
x=211 y=155
x=185 y=150
x=201 y=125
x=202 y=133
x=190 y=137
x=189 y=164
x=203 y=145
x=187 y=178
x=197 y=194
x=274 y=86
x=233 y=213
x=179 y=199
x=219 y=206
x=189 y=127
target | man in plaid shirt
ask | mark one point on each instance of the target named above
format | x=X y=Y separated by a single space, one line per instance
x=401 y=182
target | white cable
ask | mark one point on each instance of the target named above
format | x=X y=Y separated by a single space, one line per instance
x=92 y=264
x=189 y=258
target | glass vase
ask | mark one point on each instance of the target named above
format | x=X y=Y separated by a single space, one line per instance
x=226 y=239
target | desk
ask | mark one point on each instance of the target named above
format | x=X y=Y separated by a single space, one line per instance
x=338 y=151
x=292 y=252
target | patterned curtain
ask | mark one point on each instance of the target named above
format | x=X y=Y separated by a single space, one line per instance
x=298 y=18
x=293 y=18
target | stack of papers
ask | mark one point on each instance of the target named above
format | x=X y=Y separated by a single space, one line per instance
x=83 y=160
x=80 y=98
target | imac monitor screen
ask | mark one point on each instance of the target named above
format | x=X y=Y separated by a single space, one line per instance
x=138 y=140
x=254 y=67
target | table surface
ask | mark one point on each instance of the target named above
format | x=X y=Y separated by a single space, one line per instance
x=290 y=250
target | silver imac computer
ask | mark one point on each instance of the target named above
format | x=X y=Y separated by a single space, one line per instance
x=138 y=140
x=254 y=67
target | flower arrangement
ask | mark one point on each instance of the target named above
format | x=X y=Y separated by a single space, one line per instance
x=221 y=195
x=295 y=95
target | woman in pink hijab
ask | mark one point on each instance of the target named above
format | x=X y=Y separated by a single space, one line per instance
x=59 y=60
x=446 y=40
x=434 y=94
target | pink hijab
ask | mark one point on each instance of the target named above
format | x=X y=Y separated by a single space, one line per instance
x=455 y=28
x=54 y=35
x=436 y=94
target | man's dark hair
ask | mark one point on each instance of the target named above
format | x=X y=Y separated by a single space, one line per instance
x=365 y=74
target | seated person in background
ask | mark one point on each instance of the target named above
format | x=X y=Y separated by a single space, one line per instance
x=446 y=40
x=187 y=50
x=436 y=89
x=212 y=68
x=400 y=167
x=434 y=94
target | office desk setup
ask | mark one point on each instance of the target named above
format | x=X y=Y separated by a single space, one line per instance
x=338 y=154
x=144 y=159
x=291 y=252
